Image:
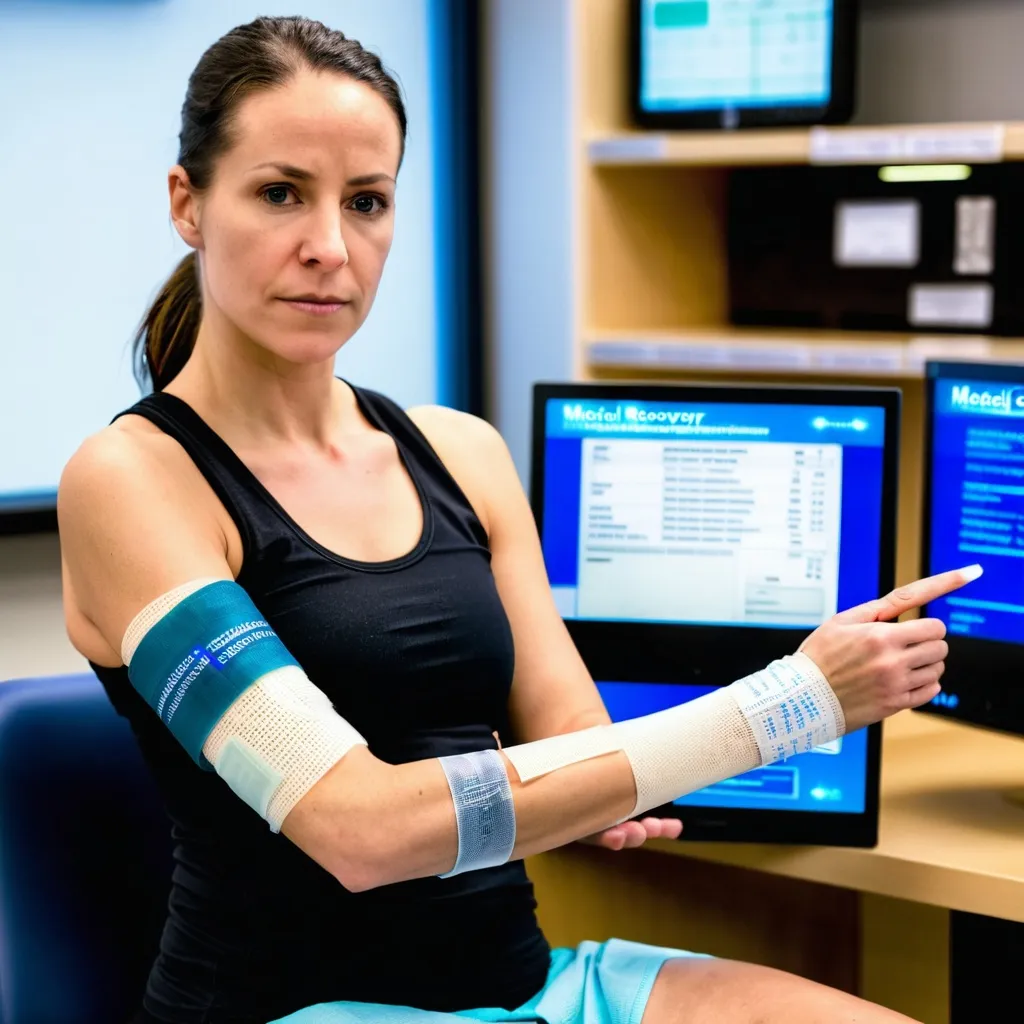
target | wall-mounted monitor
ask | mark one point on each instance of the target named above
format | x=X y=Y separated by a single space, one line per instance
x=737 y=63
x=974 y=510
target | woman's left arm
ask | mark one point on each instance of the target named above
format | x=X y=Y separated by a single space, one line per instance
x=552 y=690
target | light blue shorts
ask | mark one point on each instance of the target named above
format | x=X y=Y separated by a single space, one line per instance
x=596 y=983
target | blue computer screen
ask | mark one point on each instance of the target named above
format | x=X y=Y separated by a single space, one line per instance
x=830 y=778
x=714 y=54
x=977 y=504
x=703 y=513
x=713 y=514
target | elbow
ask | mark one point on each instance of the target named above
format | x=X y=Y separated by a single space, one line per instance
x=365 y=863
x=374 y=829
x=355 y=880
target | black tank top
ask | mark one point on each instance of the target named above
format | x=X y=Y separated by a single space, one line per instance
x=416 y=653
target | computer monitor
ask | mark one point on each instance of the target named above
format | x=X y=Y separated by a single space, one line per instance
x=734 y=63
x=694 y=533
x=974 y=512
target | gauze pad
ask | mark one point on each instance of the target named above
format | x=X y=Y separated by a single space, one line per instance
x=215 y=672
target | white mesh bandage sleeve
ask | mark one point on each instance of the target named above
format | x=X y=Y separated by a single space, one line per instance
x=788 y=708
x=277 y=739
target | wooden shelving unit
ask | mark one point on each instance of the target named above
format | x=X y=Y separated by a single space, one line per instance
x=650 y=260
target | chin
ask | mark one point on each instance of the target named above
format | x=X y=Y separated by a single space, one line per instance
x=305 y=348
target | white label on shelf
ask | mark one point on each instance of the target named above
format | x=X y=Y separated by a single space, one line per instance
x=877 y=233
x=863 y=357
x=761 y=356
x=950 y=305
x=628 y=147
x=675 y=354
x=974 y=143
x=975 y=235
x=709 y=354
x=614 y=353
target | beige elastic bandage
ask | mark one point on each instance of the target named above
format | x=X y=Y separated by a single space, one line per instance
x=786 y=709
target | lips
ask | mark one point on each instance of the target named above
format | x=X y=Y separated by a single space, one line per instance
x=316 y=306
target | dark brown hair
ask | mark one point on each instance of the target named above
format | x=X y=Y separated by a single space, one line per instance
x=259 y=56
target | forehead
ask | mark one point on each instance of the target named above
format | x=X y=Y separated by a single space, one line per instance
x=319 y=121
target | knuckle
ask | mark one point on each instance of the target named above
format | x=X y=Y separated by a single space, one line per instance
x=873 y=640
x=903 y=700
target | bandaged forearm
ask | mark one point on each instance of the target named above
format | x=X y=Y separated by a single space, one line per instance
x=786 y=709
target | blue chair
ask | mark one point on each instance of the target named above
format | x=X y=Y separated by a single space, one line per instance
x=84 y=856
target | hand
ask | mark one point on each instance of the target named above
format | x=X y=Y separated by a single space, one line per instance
x=878 y=667
x=630 y=834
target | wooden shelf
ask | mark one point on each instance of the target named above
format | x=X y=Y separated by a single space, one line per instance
x=797 y=352
x=887 y=144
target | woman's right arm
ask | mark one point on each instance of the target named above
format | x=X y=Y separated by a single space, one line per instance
x=131 y=531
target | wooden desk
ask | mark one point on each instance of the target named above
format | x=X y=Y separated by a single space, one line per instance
x=874 y=921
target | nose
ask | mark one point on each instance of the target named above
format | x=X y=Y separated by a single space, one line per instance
x=324 y=241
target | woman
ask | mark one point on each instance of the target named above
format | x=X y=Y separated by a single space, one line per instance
x=395 y=557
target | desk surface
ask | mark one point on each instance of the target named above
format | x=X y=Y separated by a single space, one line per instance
x=948 y=836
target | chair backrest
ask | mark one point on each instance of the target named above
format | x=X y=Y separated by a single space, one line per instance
x=84 y=856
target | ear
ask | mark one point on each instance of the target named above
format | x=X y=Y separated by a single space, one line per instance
x=184 y=207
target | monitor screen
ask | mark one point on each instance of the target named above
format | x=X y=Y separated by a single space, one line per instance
x=692 y=534
x=732 y=58
x=712 y=513
x=974 y=512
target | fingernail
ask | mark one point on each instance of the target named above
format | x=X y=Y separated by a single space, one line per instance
x=971 y=572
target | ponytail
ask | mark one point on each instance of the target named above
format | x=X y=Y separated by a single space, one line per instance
x=167 y=334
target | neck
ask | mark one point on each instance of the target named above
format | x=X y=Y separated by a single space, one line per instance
x=251 y=396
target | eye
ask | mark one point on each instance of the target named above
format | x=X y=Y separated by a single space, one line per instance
x=277 y=195
x=369 y=204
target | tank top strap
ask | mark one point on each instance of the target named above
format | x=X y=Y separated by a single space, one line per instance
x=441 y=486
x=231 y=480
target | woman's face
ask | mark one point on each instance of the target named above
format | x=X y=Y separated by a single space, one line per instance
x=296 y=224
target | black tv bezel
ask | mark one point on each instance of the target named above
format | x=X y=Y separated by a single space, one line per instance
x=838 y=109
x=607 y=647
x=1001 y=706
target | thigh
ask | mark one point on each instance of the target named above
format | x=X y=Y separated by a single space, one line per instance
x=727 y=992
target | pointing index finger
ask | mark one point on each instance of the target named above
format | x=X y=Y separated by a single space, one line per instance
x=913 y=595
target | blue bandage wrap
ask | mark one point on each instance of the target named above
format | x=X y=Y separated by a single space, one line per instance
x=484 y=810
x=194 y=663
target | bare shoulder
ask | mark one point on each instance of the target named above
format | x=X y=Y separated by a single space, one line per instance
x=451 y=427
x=127 y=462
x=117 y=454
x=134 y=523
x=473 y=452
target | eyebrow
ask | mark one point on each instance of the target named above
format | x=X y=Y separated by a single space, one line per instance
x=289 y=171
